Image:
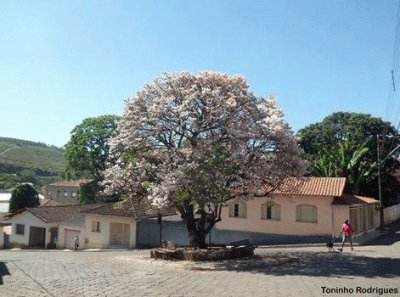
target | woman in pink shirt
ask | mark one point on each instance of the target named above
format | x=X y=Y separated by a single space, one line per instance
x=347 y=231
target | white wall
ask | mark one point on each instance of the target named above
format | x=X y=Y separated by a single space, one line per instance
x=287 y=225
x=4 y=201
x=27 y=219
x=102 y=239
x=340 y=214
x=89 y=239
x=7 y=229
x=4 y=206
x=391 y=213
x=68 y=226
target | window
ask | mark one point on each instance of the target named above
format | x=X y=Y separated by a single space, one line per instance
x=271 y=211
x=238 y=210
x=96 y=226
x=65 y=194
x=73 y=194
x=20 y=229
x=306 y=213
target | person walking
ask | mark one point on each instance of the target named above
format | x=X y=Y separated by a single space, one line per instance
x=347 y=232
x=76 y=242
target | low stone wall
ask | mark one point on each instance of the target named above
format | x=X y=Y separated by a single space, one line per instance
x=212 y=254
x=391 y=213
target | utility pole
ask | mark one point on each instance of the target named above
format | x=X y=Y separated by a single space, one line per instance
x=378 y=152
x=380 y=164
x=159 y=220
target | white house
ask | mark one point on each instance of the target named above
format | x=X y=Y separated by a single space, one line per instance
x=97 y=226
x=39 y=226
x=298 y=210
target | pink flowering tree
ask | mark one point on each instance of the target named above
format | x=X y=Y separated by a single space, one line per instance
x=195 y=141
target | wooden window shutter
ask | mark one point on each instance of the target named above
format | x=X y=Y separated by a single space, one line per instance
x=231 y=210
x=264 y=211
x=244 y=211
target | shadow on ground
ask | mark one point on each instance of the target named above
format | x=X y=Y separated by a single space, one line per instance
x=3 y=271
x=340 y=265
x=336 y=264
x=390 y=238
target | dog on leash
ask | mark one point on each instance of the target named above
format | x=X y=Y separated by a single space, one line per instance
x=330 y=244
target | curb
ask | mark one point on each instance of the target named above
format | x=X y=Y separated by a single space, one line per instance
x=291 y=245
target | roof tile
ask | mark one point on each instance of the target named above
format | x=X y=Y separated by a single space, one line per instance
x=52 y=214
x=71 y=183
x=139 y=212
x=310 y=186
x=348 y=199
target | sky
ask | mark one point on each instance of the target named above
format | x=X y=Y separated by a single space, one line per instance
x=64 y=61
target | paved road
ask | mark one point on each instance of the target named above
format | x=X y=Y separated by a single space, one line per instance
x=131 y=273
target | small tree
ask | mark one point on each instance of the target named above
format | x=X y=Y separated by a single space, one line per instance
x=87 y=151
x=192 y=141
x=23 y=196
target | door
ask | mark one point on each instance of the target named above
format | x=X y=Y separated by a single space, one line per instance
x=119 y=235
x=7 y=241
x=148 y=233
x=69 y=238
x=37 y=237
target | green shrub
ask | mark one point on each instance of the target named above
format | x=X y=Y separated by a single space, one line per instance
x=23 y=196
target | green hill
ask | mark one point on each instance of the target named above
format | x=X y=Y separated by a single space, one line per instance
x=28 y=161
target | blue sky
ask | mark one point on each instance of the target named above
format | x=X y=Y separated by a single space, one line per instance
x=63 y=61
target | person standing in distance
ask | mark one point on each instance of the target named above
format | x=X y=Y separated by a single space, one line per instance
x=347 y=232
x=76 y=242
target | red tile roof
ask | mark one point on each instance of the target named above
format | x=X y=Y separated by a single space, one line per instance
x=139 y=213
x=310 y=186
x=50 y=202
x=71 y=183
x=52 y=214
x=348 y=199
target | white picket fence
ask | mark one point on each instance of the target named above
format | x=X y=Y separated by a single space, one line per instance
x=391 y=213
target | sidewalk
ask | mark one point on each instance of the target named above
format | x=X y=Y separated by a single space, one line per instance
x=372 y=238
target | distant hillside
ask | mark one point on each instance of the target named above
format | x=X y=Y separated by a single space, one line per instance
x=31 y=160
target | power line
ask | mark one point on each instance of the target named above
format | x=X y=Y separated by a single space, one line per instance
x=394 y=77
x=394 y=69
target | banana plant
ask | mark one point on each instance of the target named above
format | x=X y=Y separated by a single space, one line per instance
x=346 y=160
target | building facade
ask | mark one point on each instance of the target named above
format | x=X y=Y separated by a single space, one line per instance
x=300 y=210
x=65 y=192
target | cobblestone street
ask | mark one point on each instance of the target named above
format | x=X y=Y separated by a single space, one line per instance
x=131 y=273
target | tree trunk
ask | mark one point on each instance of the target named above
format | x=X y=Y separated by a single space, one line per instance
x=198 y=228
x=197 y=239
